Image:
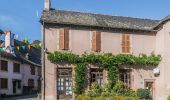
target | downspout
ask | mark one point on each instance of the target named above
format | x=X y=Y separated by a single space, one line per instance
x=43 y=61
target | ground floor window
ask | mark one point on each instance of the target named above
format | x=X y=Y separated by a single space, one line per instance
x=97 y=76
x=4 y=83
x=64 y=83
x=31 y=83
x=124 y=76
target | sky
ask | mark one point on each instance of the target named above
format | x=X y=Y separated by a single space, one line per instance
x=22 y=16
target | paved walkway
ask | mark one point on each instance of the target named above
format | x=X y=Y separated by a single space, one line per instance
x=26 y=97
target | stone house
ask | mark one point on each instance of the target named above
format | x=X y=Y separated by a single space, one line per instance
x=80 y=32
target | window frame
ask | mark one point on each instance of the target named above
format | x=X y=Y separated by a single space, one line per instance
x=6 y=83
x=16 y=70
x=126 y=73
x=2 y=66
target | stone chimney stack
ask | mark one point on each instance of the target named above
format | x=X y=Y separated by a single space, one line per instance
x=47 y=5
x=9 y=39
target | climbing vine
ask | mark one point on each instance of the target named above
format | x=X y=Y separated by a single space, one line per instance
x=107 y=60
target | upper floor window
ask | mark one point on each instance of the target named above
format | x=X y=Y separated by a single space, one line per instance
x=4 y=65
x=4 y=83
x=32 y=70
x=96 y=41
x=125 y=43
x=64 y=39
x=16 y=68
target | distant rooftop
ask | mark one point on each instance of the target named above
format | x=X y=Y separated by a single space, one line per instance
x=30 y=56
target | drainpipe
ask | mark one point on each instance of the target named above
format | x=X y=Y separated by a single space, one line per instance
x=43 y=61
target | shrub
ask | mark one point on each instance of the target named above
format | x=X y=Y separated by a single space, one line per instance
x=143 y=93
x=119 y=88
x=95 y=90
x=130 y=93
x=168 y=98
x=131 y=98
x=82 y=97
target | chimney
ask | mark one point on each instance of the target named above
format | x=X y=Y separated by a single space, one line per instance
x=47 y=5
x=9 y=39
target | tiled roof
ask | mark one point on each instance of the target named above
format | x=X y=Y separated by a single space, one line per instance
x=30 y=56
x=96 y=20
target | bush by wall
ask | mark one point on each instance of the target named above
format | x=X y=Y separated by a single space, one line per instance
x=143 y=93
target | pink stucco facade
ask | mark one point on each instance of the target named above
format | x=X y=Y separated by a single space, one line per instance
x=141 y=43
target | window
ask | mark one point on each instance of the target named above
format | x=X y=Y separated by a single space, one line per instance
x=19 y=84
x=39 y=71
x=4 y=65
x=31 y=83
x=125 y=43
x=96 y=41
x=4 y=83
x=32 y=70
x=16 y=68
x=97 y=76
x=64 y=39
x=124 y=76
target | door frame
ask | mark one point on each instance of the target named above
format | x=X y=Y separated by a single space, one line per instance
x=153 y=91
x=60 y=97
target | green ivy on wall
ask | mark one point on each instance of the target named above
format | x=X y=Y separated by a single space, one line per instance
x=106 y=60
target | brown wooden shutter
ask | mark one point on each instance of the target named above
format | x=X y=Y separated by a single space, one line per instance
x=125 y=43
x=61 y=39
x=96 y=41
x=64 y=39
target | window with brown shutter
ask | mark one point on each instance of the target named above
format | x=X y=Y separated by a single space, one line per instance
x=125 y=43
x=96 y=41
x=64 y=39
x=4 y=65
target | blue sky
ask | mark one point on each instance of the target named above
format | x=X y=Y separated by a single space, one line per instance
x=20 y=16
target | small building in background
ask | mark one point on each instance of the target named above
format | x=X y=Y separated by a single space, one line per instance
x=20 y=66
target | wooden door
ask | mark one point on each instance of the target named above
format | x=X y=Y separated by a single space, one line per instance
x=149 y=84
x=64 y=84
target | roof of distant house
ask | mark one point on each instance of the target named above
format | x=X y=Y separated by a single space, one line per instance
x=29 y=56
x=97 y=20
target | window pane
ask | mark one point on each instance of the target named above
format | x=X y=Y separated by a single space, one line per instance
x=16 y=68
x=4 y=83
x=4 y=65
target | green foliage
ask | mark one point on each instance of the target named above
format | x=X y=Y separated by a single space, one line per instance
x=36 y=44
x=168 y=98
x=119 y=88
x=130 y=93
x=105 y=60
x=82 y=97
x=108 y=61
x=95 y=90
x=143 y=93
x=80 y=77
x=104 y=92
